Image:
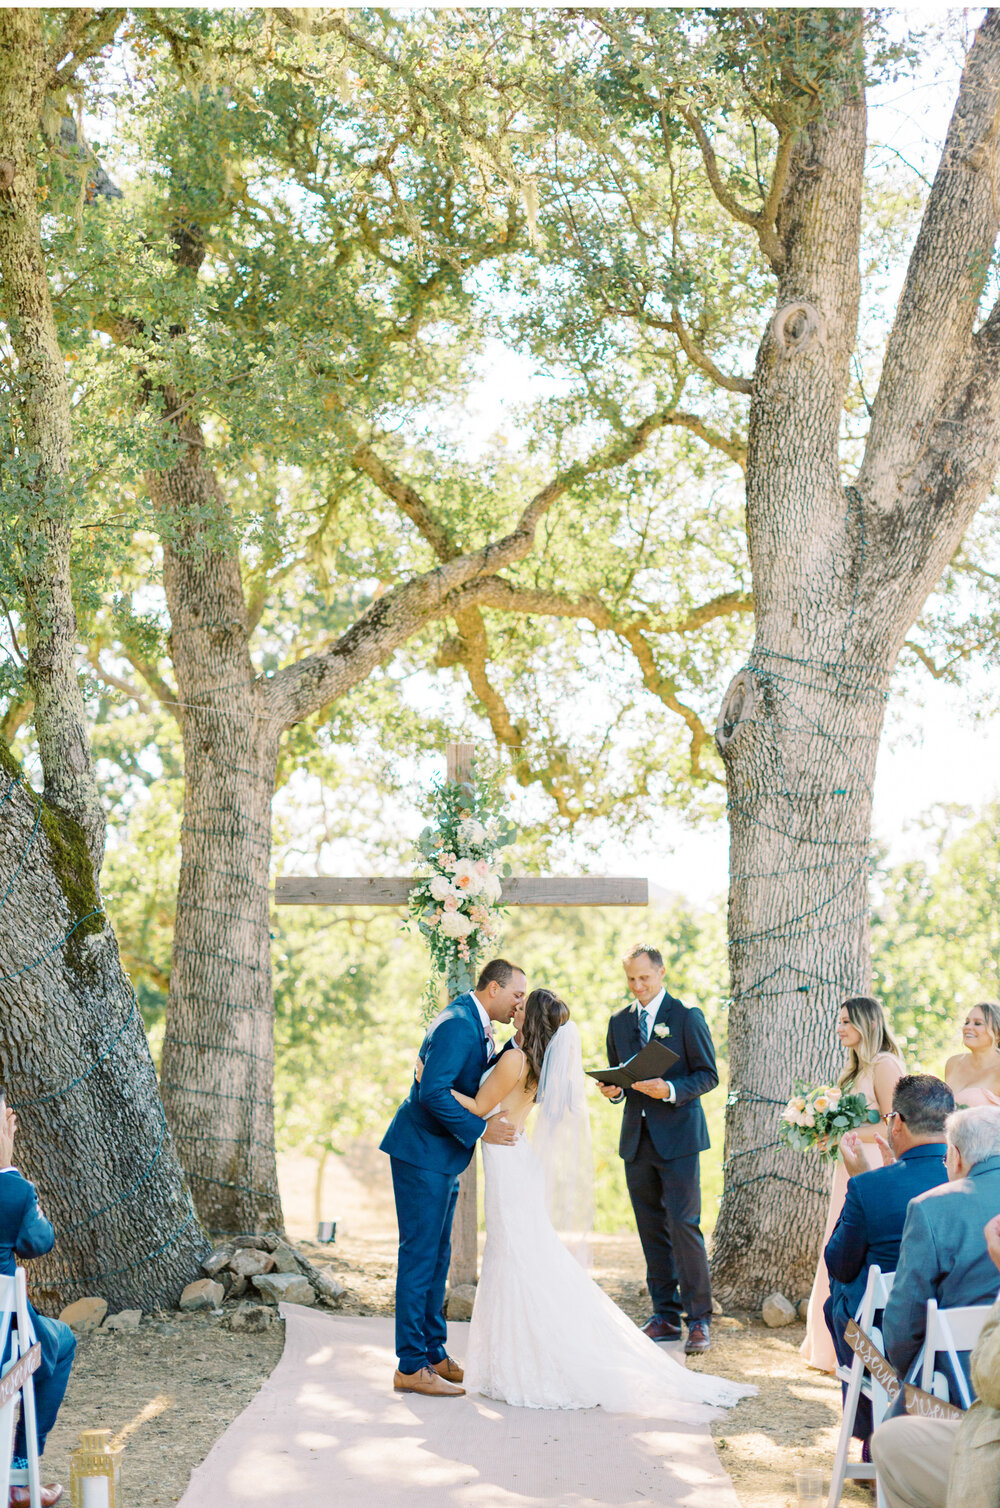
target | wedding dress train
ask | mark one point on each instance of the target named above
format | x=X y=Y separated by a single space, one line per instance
x=544 y=1335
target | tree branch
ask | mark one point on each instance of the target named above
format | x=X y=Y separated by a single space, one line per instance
x=944 y=282
x=108 y=678
x=703 y=361
x=761 y=220
x=86 y=33
x=300 y=689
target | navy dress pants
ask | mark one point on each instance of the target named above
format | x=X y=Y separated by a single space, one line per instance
x=425 y=1207
x=58 y=1347
x=666 y=1198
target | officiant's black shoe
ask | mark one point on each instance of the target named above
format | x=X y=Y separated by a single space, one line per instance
x=427 y=1382
x=661 y=1329
x=698 y=1338
x=449 y=1369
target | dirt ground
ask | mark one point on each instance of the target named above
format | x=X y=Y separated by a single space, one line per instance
x=171 y=1388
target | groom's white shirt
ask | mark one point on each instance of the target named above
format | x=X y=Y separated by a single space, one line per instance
x=487 y=1024
x=647 y=1015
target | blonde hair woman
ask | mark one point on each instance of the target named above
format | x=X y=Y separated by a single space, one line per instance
x=873 y=1067
x=974 y=1076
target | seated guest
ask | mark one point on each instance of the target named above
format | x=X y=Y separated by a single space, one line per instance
x=945 y=1463
x=943 y=1253
x=25 y=1232
x=870 y=1227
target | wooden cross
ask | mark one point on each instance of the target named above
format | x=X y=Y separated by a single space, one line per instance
x=394 y=890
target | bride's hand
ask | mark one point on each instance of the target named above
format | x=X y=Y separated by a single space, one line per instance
x=418 y=1069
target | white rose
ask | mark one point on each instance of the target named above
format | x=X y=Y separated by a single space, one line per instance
x=442 y=888
x=454 y=924
x=472 y=832
x=490 y=888
x=661 y=1030
x=467 y=879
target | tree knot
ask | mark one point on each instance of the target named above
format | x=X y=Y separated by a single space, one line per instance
x=736 y=710
x=796 y=328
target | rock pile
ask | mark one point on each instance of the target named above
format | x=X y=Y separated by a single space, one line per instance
x=246 y=1277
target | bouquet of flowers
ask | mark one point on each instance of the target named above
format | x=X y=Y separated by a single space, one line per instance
x=816 y=1118
x=456 y=905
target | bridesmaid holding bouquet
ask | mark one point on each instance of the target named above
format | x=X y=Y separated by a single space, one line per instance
x=873 y=1067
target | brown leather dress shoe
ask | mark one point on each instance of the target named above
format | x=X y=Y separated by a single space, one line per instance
x=661 y=1329
x=427 y=1382
x=449 y=1369
x=698 y=1338
x=20 y=1497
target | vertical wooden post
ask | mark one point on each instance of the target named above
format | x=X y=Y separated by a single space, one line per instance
x=464 y=1232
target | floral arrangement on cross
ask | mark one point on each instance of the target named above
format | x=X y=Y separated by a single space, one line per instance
x=456 y=905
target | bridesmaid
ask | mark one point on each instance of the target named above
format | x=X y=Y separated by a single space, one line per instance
x=974 y=1076
x=873 y=1067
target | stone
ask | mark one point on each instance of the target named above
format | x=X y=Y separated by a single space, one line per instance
x=217 y=1259
x=717 y=1307
x=84 y=1316
x=777 y=1311
x=202 y=1294
x=249 y=1318
x=326 y=1285
x=802 y=1309
x=256 y=1243
x=125 y=1319
x=460 y=1301
x=284 y=1288
x=235 y=1286
x=284 y=1259
x=249 y=1262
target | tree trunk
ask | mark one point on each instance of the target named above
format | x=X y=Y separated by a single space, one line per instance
x=76 y=1066
x=217 y=1068
x=73 y=1053
x=840 y=575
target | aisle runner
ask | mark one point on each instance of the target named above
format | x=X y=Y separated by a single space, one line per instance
x=326 y=1431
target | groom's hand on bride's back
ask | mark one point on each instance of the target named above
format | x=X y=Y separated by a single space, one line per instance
x=499 y=1131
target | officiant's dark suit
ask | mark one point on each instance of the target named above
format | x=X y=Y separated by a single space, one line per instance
x=660 y=1143
x=430 y=1141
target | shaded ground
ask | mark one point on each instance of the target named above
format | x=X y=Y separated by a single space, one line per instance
x=174 y=1386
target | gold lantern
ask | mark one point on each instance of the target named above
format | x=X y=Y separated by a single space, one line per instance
x=95 y=1471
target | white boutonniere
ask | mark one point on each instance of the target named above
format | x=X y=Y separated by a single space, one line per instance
x=661 y=1030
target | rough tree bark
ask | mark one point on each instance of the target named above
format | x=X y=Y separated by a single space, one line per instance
x=840 y=575
x=73 y=1053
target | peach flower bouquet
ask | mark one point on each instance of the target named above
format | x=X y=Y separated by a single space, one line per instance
x=815 y=1118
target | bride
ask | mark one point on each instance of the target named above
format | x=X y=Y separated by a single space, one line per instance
x=543 y=1335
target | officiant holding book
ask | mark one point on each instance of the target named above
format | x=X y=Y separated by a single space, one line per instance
x=664 y=1131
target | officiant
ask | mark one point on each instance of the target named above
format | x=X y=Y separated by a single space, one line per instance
x=664 y=1131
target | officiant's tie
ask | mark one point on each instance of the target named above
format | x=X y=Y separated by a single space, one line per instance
x=643 y=1028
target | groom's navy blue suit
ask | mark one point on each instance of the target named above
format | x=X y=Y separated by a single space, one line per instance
x=430 y=1141
x=660 y=1143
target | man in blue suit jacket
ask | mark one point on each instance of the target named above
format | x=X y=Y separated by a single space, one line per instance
x=430 y=1141
x=870 y=1227
x=943 y=1253
x=663 y=1131
x=25 y=1232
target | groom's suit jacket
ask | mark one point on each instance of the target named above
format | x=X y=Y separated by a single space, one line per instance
x=679 y=1129
x=431 y=1129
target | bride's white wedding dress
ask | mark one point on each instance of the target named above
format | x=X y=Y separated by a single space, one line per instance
x=543 y=1334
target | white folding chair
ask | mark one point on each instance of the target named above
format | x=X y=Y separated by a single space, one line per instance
x=14 y=1345
x=876 y=1294
x=947 y=1332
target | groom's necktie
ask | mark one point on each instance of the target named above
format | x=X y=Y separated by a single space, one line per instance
x=491 y=1042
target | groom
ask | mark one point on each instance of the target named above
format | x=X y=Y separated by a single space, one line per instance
x=663 y=1132
x=430 y=1141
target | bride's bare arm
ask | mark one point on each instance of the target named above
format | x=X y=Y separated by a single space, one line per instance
x=509 y=1071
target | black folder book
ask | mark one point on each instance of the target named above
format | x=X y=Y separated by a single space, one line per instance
x=650 y=1062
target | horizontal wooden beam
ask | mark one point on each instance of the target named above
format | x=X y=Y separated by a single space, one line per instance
x=394 y=890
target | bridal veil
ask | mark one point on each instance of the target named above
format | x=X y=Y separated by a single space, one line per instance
x=561 y=1140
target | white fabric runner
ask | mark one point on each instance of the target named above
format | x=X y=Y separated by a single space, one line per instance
x=327 y=1431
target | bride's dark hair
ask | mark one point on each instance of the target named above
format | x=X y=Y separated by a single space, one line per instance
x=544 y=1013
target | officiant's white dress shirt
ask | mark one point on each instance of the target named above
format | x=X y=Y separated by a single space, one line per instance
x=647 y=1016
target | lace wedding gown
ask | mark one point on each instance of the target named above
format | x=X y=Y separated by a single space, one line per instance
x=543 y=1335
